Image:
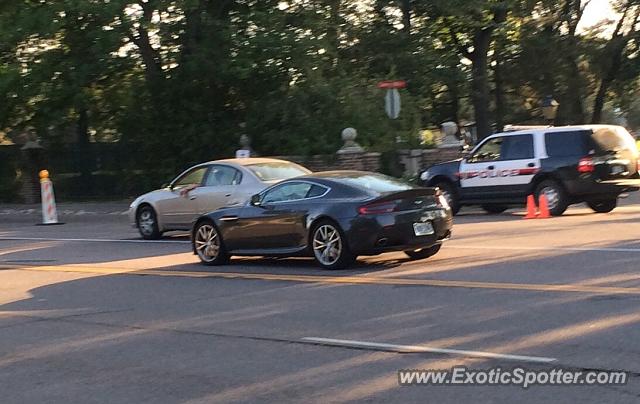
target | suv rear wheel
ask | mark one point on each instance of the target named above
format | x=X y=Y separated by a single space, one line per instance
x=557 y=200
x=603 y=206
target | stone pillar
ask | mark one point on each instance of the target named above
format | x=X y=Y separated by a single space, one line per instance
x=352 y=156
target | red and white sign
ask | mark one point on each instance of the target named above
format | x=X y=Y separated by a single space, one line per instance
x=49 y=211
x=388 y=84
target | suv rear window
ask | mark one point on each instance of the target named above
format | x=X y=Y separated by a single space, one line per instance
x=608 y=139
x=566 y=144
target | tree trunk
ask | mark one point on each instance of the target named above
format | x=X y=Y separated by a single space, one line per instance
x=612 y=58
x=499 y=90
x=333 y=32
x=406 y=16
x=84 y=152
x=479 y=81
x=150 y=56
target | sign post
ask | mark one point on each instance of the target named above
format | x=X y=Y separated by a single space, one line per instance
x=392 y=102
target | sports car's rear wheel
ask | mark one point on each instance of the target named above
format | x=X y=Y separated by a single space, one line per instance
x=330 y=247
x=147 y=222
x=208 y=245
x=423 y=252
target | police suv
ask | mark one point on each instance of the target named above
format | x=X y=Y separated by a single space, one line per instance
x=568 y=164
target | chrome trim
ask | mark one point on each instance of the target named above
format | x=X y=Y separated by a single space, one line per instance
x=228 y=218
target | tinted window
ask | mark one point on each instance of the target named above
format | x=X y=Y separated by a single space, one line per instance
x=277 y=170
x=375 y=182
x=566 y=144
x=193 y=177
x=316 y=190
x=287 y=192
x=489 y=151
x=517 y=147
x=222 y=175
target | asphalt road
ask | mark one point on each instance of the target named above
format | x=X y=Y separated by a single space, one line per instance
x=89 y=313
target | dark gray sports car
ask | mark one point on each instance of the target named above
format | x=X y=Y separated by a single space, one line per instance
x=334 y=216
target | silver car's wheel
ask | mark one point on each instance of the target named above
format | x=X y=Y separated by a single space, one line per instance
x=148 y=223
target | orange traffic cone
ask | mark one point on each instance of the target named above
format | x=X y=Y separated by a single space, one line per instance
x=531 y=208
x=544 y=207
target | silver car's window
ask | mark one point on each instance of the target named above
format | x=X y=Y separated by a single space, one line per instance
x=287 y=192
x=274 y=171
x=222 y=175
x=193 y=177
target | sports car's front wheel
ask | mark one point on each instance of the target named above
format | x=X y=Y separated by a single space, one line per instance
x=330 y=247
x=208 y=245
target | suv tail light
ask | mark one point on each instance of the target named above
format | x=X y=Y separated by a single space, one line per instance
x=378 y=208
x=585 y=165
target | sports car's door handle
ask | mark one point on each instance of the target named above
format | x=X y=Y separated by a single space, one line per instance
x=192 y=197
x=490 y=168
x=228 y=218
x=531 y=165
x=227 y=195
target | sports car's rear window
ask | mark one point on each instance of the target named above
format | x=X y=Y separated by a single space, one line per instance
x=375 y=182
x=276 y=171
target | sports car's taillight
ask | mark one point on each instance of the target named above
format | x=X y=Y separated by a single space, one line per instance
x=378 y=208
x=585 y=165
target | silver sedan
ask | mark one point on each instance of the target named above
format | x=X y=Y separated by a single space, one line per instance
x=204 y=188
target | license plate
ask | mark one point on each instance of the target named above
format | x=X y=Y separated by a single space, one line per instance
x=423 y=229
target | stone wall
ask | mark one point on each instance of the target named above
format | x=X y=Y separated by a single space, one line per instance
x=413 y=161
x=417 y=160
x=363 y=161
x=434 y=156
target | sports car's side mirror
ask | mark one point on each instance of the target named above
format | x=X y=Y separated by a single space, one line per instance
x=255 y=200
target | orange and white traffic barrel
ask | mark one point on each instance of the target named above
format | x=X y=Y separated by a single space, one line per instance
x=49 y=210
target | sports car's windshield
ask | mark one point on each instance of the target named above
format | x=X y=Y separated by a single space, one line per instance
x=276 y=171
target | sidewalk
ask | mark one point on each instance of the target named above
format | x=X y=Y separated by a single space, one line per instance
x=69 y=208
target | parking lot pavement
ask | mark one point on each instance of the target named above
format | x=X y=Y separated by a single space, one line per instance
x=90 y=313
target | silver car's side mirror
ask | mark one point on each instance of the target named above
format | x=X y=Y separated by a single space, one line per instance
x=255 y=200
